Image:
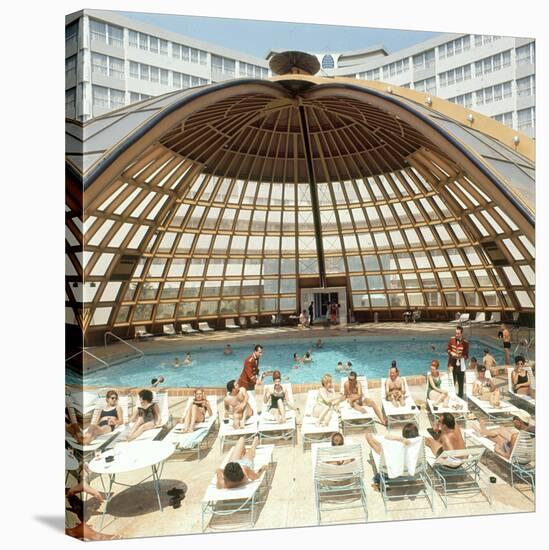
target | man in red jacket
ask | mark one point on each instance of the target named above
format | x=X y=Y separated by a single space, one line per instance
x=250 y=372
x=458 y=353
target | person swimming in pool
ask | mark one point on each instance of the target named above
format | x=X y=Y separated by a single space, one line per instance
x=176 y=363
x=188 y=361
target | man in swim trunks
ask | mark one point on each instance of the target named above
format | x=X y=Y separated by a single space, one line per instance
x=236 y=403
x=506 y=339
x=395 y=392
x=240 y=467
x=352 y=391
x=458 y=352
x=447 y=436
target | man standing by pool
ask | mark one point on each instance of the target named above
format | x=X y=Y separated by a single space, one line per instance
x=458 y=352
x=250 y=372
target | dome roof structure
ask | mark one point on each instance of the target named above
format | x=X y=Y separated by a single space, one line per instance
x=228 y=199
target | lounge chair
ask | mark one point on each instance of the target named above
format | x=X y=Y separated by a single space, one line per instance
x=243 y=322
x=204 y=327
x=269 y=428
x=230 y=324
x=493 y=413
x=253 y=321
x=141 y=332
x=463 y=319
x=403 y=467
x=338 y=486
x=227 y=431
x=246 y=498
x=526 y=399
x=495 y=319
x=522 y=461
x=351 y=418
x=479 y=318
x=103 y=440
x=191 y=442
x=311 y=431
x=169 y=330
x=161 y=399
x=186 y=328
x=457 y=471
x=456 y=406
x=410 y=411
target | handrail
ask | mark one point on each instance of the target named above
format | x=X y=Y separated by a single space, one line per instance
x=89 y=353
x=141 y=353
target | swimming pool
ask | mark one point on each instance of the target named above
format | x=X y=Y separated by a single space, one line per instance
x=370 y=356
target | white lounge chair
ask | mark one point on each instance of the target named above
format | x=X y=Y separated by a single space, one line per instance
x=526 y=399
x=230 y=324
x=479 y=318
x=243 y=321
x=226 y=430
x=190 y=442
x=410 y=411
x=463 y=319
x=493 y=413
x=269 y=428
x=338 y=486
x=456 y=406
x=253 y=321
x=102 y=440
x=141 y=332
x=458 y=472
x=204 y=327
x=402 y=467
x=186 y=328
x=161 y=399
x=351 y=418
x=246 y=498
x=169 y=330
x=495 y=319
x=311 y=431
x=522 y=462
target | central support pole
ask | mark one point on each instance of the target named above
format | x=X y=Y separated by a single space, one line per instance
x=314 y=197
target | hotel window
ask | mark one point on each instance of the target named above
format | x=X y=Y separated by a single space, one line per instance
x=465 y=100
x=109 y=34
x=526 y=54
x=70 y=68
x=429 y=85
x=395 y=68
x=494 y=93
x=247 y=69
x=454 y=76
x=223 y=64
x=493 y=63
x=373 y=74
x=71 y=35
x=192 y=55
x=328 y=62
x=526 y=86
x=454 y=47
x=108 y=66
x=505 y=118
x=107 y=97
x=526 y=118
x=134 y=96
x=424 y=60
x=70 y=103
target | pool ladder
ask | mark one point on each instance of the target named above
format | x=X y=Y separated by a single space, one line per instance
x=90 y=354
x=135 y=348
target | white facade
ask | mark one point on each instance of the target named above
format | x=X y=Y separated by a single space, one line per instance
x=112 y=61
x=494 y=75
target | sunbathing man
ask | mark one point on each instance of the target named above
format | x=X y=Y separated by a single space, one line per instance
x=240 y=467
x=236 y=403
x=277 y=397
x=352 y=391
x=395 y=390
x=504 y=437
x=106 y=420
x=197 y=411
x=485 y=389
x=146 y=417
x=447 y=437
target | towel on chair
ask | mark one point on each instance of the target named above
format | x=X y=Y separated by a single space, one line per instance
x=399 y=457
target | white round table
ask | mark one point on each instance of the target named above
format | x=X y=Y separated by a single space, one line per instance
x=132 y=456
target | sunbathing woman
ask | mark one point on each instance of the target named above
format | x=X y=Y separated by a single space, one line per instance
x=395 y=390
x=352 y=391
x=240 y=467
x=71 y=423
x=485 y=389
x=521 y=379
x=146 y=417
x=196 y=413
x=277 y=398
x=434 y=391
x=327 y=401
x=446 y=437
x=106 y=420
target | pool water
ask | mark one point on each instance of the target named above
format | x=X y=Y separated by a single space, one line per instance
x=211 y=368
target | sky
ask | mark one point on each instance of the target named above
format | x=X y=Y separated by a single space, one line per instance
x=259 y=37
